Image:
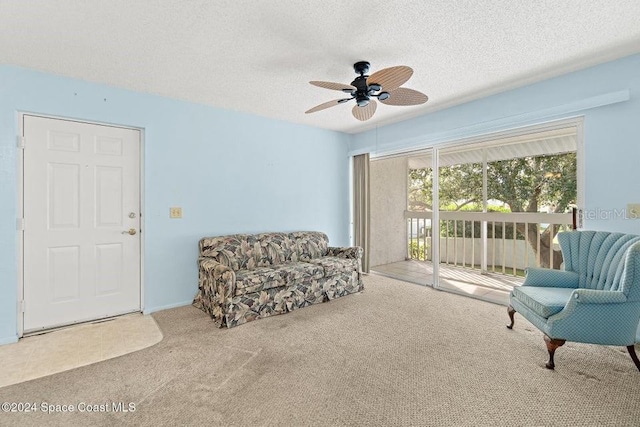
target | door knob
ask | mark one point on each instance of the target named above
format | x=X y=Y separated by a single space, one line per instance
x=131 y=231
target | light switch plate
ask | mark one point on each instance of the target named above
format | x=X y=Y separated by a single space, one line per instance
x=633 y=211
x=175 y=212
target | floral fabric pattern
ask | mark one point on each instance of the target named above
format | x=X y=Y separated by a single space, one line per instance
x=334 y=265
x=273 y=248
x=236 y=251
x=247 y=277
x=354 y=252
x=263 y=278
x=310 y=244
x=258 y=279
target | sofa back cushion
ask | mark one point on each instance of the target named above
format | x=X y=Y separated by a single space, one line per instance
x=309 y=245
x=236 y=251
x=273 y=249
x=249 y=251
x=597 y=256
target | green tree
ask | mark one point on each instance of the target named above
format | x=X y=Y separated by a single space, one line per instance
x=522 y=185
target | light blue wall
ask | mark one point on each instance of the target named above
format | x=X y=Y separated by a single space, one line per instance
x=230 y=172
x=287 y=177
x=611 y=132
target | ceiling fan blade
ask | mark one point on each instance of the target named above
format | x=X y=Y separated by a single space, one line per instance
x=365 y=113
x=391 y=78
x=334 y=86
x=326 y=105
x=404 y=96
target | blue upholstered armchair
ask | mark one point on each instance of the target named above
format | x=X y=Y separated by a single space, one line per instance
x=596 y=299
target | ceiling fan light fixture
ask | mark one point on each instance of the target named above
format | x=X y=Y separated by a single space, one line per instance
x=383 y=95
x=374 y=87
x=362 y=101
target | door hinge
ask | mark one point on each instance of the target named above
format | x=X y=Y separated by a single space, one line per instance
x=20 y=224
x=21 y=142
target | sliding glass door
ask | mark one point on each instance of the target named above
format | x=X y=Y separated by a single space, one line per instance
x=472 y=216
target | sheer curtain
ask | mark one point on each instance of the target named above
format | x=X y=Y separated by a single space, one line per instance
x=361 y=206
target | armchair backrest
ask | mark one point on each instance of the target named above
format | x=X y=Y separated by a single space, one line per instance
x=630 y=281
x=598 y=257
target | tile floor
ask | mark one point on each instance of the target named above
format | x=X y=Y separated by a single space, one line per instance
x=63 y=349
x=490 y=287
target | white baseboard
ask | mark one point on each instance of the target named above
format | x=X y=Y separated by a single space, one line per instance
x=166 y=307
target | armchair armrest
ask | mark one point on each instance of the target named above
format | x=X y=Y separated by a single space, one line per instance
x=551 y=278
x=354 y=252
x=593 y=296
x=584 y=299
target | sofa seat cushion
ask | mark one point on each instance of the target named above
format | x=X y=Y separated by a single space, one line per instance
x=543 y=301
x=263 y=278
x=257 y=279
x=294 y=272
x=333 y=265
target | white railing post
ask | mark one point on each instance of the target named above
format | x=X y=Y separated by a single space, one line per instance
x=435 y=219
x=483 y=224
x=515 y=239
x=504 y=247
x=493 y=244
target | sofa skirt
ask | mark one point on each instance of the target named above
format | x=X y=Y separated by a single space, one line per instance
x=251 y=306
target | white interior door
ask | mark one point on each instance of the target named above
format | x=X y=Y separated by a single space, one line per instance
x=81 y=222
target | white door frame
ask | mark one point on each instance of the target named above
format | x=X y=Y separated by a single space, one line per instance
x=20 y=206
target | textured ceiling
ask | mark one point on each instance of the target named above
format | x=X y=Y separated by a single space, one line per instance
x=258 y=57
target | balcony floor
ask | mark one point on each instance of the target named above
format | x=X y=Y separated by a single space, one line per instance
x=491 y=287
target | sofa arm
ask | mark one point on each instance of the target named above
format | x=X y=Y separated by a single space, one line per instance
x=217 y=281
x=354 y=252
x=551 y=278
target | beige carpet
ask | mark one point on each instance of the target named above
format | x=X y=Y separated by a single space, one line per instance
x=396 y=355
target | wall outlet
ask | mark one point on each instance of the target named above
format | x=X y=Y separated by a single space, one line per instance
x=633 y=211
x=175 y=212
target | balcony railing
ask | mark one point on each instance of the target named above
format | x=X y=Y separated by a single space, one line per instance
x=496 y=242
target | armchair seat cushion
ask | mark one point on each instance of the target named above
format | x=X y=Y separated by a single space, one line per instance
x=334 y=265
x=263 y=278
x=545 y=302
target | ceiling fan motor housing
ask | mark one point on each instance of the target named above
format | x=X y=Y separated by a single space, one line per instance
x=362 y=91
x=365 y=91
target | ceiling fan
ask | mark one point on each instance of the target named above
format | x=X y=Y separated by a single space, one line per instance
x=384 y=85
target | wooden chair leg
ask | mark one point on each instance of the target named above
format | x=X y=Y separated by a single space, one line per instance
x=552 y=345
x=511 y=311
x=632 y=352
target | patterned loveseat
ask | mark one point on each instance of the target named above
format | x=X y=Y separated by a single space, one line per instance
x=244 y=277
